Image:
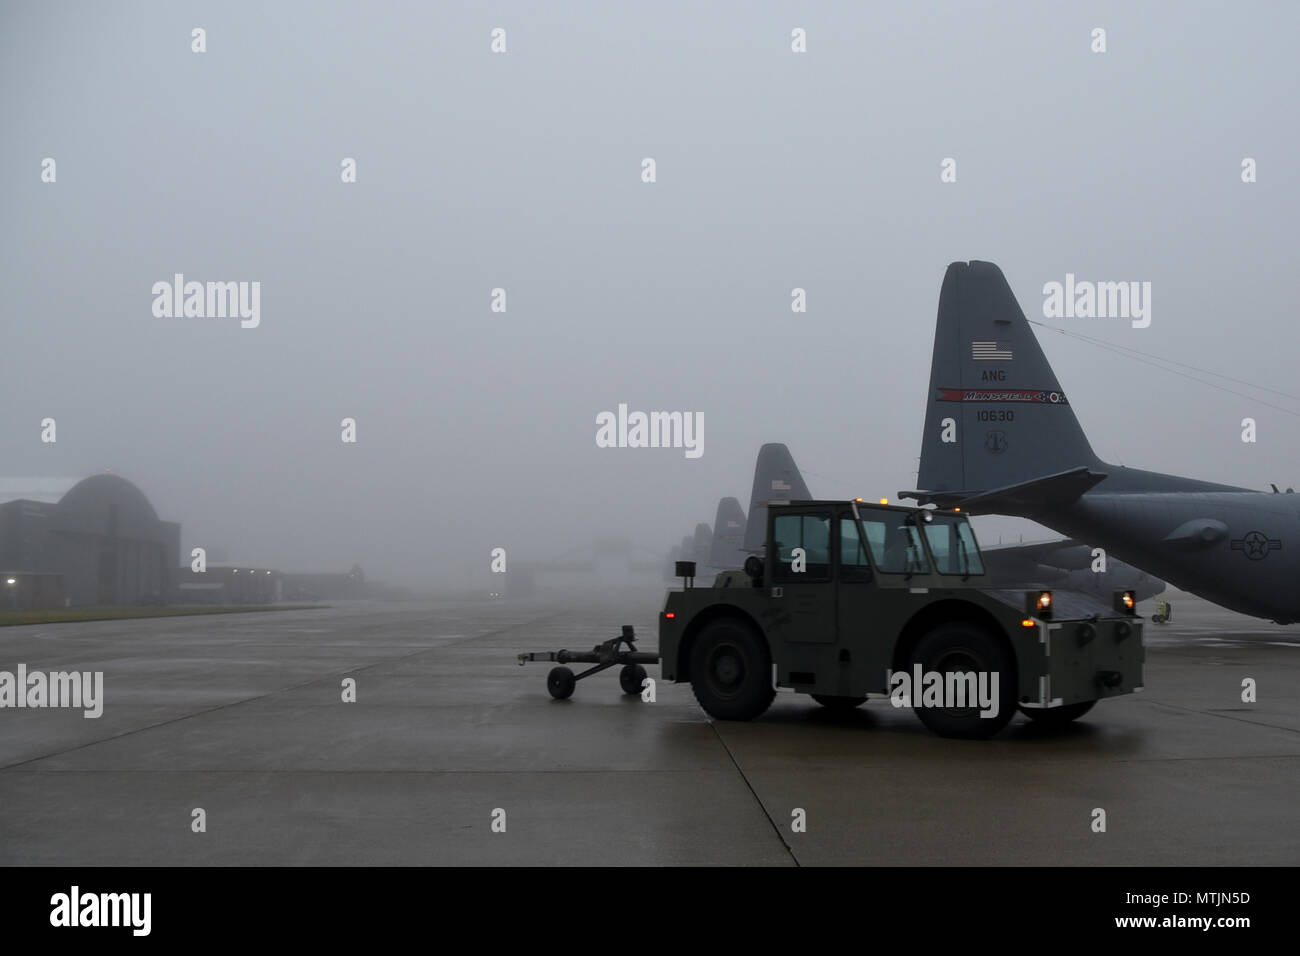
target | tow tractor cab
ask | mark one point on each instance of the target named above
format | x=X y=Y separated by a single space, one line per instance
x=854 y=600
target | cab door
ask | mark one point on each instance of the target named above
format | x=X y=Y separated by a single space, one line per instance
x=864 y=652
x=802 y=608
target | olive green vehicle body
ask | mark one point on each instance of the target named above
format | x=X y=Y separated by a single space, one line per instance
x=842 y=629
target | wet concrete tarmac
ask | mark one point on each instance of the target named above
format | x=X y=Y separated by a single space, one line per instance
x=242 y=716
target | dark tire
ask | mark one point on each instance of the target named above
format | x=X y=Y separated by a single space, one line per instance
x=839 y=705
x=962 y=647
x=630 y=678
x=560 y=682
x=731 y=671
x=1056 y=717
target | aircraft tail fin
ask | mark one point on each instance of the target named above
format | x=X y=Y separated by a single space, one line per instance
x=996 y=416
x=701 y=543
x=776 y=478
x=728 y=549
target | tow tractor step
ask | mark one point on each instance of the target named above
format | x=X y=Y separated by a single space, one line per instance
x=561 y=680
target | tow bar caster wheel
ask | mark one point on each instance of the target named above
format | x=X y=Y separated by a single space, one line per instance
x=630 y=678
x=560 y=682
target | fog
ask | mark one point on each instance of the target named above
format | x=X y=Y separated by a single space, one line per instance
x=522 y=171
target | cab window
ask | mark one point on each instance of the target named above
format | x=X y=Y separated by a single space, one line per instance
x=953 y=542
x=854 y=565
x=895 y=546
x=812 y=533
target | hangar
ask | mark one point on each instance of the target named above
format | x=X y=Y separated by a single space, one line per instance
x=101 y=535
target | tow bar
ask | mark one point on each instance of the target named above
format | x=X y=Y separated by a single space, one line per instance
x=561 y=681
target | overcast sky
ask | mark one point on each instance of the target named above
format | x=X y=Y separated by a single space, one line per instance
x=523 y=171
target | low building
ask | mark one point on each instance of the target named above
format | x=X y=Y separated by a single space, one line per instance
x=323 y=587
x=28 y=591
x=229 y=584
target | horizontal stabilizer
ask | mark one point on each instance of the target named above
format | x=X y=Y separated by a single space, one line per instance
x=1024 y=499
x=1042 y=550
x=1067 y=554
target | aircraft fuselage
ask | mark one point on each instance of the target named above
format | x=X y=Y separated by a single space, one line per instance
x=1239 y=549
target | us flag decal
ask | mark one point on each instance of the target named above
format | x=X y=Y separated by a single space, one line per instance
x=990 y=351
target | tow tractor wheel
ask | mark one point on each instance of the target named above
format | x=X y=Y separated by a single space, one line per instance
x=839 y=705
x=731 y=671
x=1055 y=717
x=956 y=648
x=630 y=678
x=560 y=682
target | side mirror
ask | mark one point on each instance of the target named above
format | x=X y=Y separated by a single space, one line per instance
x=754 y=567
x=686 y=571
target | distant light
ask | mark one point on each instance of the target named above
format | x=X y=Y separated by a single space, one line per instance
x=956 y=509
x=884 y=501
x=857 y=499
x=236 y=570
x=1027 y=623
x=12 y=581
x=268 y=572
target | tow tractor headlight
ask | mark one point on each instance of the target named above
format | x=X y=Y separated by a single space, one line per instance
x=1126 y=602
x=1039 y=604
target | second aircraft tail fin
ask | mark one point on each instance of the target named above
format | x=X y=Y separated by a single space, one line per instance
x=775 y=479
x=728 y=535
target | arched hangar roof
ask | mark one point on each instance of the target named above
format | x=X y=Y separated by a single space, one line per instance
x=91 y=503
